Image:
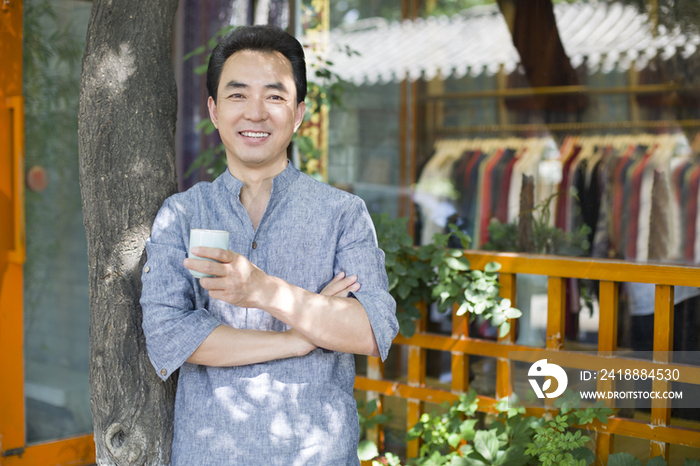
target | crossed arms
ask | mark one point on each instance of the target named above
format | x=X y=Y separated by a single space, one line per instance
x=328 y=320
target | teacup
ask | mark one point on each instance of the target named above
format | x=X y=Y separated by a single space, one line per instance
x=209 y=239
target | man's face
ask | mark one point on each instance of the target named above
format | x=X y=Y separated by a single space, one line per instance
x=256 y=111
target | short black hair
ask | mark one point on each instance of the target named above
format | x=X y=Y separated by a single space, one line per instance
x=259 y=38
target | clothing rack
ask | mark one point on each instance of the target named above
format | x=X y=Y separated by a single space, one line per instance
x=640 y=194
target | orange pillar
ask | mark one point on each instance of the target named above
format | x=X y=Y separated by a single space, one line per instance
x=607 y=343
x=11 y=229
x=663 y=345
x=416 y=378
x=504 y=384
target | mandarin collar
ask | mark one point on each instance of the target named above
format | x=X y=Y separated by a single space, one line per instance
x=279 y=182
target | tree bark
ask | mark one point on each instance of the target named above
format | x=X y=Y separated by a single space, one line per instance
x=126 y=132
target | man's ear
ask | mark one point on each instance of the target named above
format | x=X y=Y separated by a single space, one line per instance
x=299 y=115
x=212 y=112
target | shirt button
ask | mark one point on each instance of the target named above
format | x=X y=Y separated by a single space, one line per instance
x=147 y=269
x=255 y=245
x=163 y=372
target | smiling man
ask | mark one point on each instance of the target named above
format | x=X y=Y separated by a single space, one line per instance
x=264 y=347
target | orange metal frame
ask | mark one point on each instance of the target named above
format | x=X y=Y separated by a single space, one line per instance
x=659 y=432
x=13 y=448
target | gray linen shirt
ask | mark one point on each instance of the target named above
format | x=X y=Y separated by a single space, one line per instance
x=297 y=411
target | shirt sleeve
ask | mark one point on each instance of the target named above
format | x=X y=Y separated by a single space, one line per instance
x=358 y=254
x=173 y=326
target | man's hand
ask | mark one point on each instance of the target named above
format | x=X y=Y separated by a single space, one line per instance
x=236 y=280
x=236 y=277
x=341 y=286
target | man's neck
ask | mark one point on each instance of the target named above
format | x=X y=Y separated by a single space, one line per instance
x=257 y=186
x=255 y=178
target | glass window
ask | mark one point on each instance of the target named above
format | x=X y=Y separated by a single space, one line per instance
x=570 y=131
x=56 y=273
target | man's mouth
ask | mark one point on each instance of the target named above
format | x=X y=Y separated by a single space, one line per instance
x=253 y=134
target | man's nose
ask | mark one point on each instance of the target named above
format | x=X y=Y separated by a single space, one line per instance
x=255 y=110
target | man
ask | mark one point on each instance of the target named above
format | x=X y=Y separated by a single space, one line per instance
x=266 y=370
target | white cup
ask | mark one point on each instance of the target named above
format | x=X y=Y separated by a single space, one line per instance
x=209 y=239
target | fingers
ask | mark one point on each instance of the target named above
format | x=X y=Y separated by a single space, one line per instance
x=207 y=267
x=340 y=286
x=219 y=255
x=335 y=285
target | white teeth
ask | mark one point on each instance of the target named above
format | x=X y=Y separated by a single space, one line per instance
x=250 y=134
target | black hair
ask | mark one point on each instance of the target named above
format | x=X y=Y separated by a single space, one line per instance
x=260 y=38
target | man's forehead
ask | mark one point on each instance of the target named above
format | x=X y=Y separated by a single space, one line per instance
x=265 y=58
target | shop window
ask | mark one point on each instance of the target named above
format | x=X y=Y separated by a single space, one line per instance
x=56 y=301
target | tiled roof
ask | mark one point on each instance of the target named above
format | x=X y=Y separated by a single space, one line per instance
x=606 y=36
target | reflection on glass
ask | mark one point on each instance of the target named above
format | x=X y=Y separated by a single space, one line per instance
x=364 y=145
x=56 y=277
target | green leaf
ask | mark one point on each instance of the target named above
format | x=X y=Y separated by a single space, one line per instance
x=514 y=456
x=471 y=460
x=389 y=259
x=393 y=280
x=371 y=406
x=209 y=129
x=404 y=290
x=305 y=145
x=201 y=69
x=583 y=453
x=453 y=439
x=400 y=269
x=198 y=51
x=412 y=312
x=424 y=252
x=492 y=267
x=366 y=450
x=498 y=319
x=407 y=328
x=438 y=256
x=504 y=329
x=486 y=444
x=456 y=264
x=513 y=313
x=203 y=124
x=463 y=308
x=458 y=461
x=623 y=459
x=689 y=462
x=660 y=461
x=467 y=429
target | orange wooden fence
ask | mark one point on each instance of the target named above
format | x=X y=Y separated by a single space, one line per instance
x=658 y=431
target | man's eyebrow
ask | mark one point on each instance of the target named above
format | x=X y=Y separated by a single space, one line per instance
x=235 y=84
x=277 y=86
x=239 y=85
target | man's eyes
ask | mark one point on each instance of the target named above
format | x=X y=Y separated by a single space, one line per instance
x=241 y=96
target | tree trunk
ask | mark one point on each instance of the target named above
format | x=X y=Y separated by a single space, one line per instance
x=126 y=134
